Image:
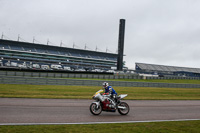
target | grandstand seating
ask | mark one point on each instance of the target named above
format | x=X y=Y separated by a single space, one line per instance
x=167 y=70
x=3 y=46
x=47 y=54
x=29 y=49
x=40 y=50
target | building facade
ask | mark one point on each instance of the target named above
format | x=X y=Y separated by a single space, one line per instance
x=24 y=55
x=163 y=70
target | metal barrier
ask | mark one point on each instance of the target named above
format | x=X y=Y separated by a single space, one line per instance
x=81 y=82
x=66 y=75
x=89 y=76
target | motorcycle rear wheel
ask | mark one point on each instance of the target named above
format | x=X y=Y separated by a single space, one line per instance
x=123 y=111
x=94 y=110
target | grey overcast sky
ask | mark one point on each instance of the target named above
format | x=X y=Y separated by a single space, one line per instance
x=165 y=32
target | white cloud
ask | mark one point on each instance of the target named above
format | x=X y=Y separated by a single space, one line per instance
x=157 y=31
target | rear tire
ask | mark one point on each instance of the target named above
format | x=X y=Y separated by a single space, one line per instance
x=94 y=110
x=123 y=111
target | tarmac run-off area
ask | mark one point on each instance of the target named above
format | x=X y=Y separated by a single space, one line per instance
x=16 y=111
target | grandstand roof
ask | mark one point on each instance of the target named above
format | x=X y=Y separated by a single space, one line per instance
x=57 y=48
x=41 y=53
x=153 y=67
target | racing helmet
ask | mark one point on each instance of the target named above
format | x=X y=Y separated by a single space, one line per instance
x=105 y=85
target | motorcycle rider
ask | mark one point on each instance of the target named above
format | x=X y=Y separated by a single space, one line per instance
x=110 y=90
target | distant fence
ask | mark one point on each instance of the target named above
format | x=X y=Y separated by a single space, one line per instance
x=67 y=75
x=89 y=76
x=81 y=82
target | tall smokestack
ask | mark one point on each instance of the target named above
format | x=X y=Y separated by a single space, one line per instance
x=121 y=45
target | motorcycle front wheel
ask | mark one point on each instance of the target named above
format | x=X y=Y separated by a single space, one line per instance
x=124 y=111
x=95 y=110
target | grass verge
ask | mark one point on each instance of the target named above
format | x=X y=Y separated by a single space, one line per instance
x=152 y=127
x=181 y=81
x=86 y=92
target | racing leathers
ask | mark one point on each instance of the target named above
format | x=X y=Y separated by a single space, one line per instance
x=111 y=91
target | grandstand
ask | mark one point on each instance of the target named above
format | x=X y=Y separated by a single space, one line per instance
x=24 y=55
x=163 y=70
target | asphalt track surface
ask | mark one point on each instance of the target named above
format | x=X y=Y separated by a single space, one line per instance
x=21 y=110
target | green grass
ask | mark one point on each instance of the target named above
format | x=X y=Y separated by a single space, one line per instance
x=153 y=127
x=181 y=81
x=86 y=92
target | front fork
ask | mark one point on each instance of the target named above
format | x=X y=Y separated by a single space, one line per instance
x=97 y=103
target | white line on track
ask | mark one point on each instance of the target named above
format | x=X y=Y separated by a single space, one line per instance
x=10 y=124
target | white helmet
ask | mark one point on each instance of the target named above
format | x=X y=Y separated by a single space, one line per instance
x=105 y=85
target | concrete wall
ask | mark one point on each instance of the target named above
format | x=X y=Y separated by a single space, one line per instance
x=45 y=78
x=81 y=82
x=90 y=76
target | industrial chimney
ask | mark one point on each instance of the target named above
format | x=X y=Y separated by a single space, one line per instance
x=121 y=45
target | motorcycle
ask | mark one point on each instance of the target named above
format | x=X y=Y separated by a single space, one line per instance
x=107 y=103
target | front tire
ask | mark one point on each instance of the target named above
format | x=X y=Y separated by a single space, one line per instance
x=94 y=110
x=123 y=111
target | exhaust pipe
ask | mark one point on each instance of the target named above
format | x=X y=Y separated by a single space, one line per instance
x=121 y=107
